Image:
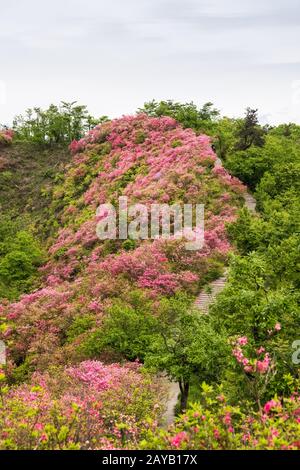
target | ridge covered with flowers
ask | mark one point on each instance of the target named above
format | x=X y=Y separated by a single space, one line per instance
x=148 y=160
x=48 y=333
x=85 y=345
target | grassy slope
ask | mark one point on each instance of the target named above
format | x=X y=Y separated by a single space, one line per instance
x=27 y=174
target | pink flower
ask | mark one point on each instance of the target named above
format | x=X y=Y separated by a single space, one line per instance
x=39 y=427
x=95 y=306
x=270 y=405
x=262 y=366
x=260 y=350
x=221 y=398
x=242 y=341
x=246 y=437
x=238 y=354
x=274 y=432
x=7 y=332
x=162 y=259
x=178 y=439
x=277 y=327
x=227 y=419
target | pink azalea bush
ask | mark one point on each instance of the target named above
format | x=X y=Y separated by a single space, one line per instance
x=6 y=137
x=260 y=364
x=88 y=406
x=215 y=424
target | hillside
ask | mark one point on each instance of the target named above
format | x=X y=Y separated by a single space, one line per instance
x=148 y=160
x=87 y=344
x=27 y=173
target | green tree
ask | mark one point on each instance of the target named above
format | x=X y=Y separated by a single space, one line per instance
x=127 y=329
x=20 y=257
x=55 y=125
x=188 y=114
x=224 y=136
x=186 y=346
x=250 y=132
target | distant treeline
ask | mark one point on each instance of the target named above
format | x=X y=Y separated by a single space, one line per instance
x=55 y=125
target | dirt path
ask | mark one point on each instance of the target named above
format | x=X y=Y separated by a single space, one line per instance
x=205 y=298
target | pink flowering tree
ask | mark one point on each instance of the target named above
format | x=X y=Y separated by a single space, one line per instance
x=257 y=367
x=256 y=305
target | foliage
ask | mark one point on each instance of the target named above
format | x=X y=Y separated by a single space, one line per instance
x=249 y=132
x=186 y=346
x=55 y=125
x=117 y=300
x=86 y=277
x=20 y=256
x=188 y=114
x=87 y=406
x=214 y=424
x=127 y=329
x=263 y=287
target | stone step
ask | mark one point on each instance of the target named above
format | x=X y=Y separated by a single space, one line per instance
x=205 y=298
x=250 y=202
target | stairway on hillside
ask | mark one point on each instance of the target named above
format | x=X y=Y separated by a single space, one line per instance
x=205 y=298
x=208 y=294
x=250 y=202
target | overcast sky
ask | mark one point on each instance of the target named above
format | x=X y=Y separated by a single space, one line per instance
x=114 y=55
